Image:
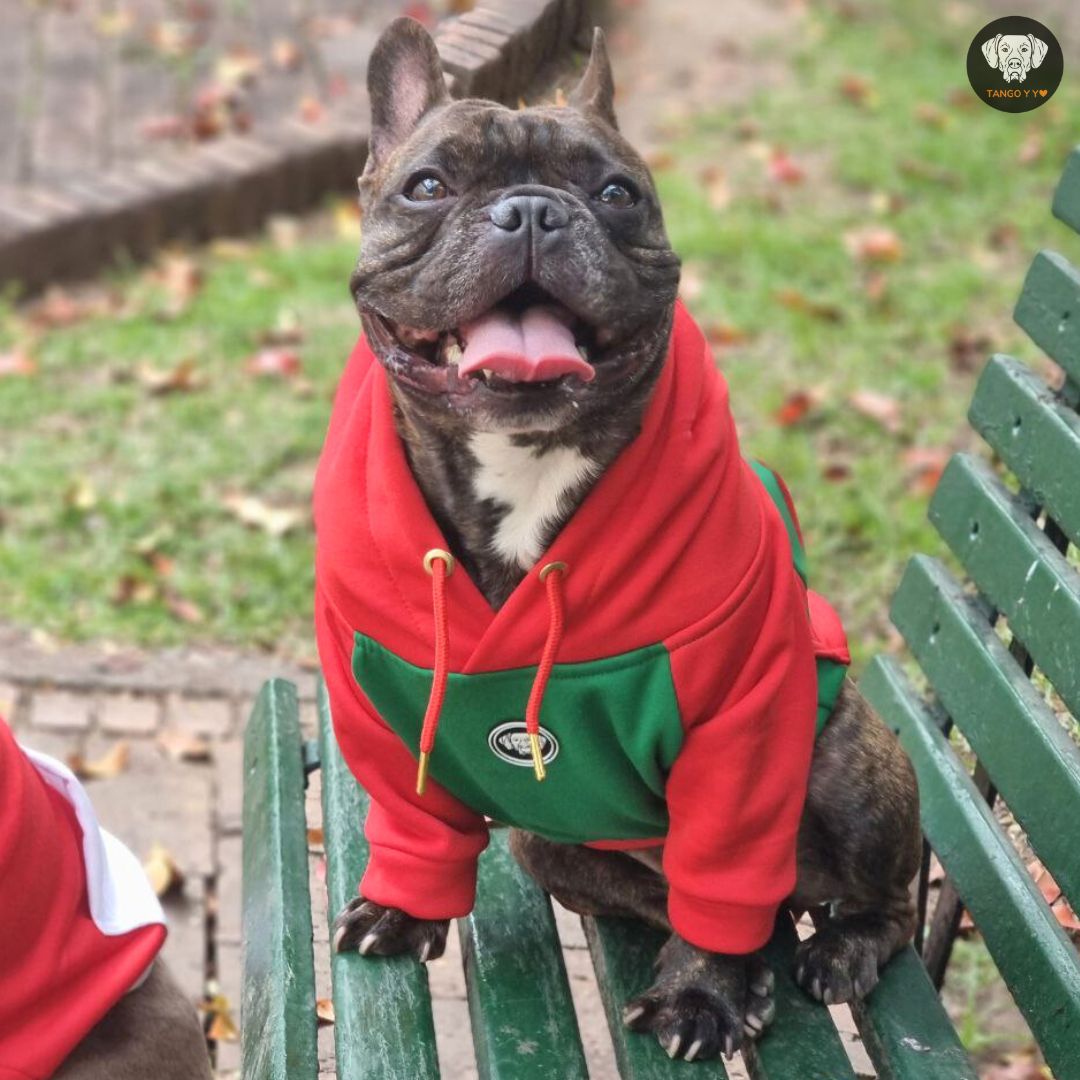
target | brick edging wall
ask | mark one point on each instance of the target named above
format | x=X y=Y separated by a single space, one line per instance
x=231 y=185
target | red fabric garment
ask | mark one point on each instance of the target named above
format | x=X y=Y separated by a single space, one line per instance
x=59 y=972
x=678 y=544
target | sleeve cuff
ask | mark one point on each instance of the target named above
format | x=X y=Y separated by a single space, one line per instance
x=423 y=888
x=734 y=929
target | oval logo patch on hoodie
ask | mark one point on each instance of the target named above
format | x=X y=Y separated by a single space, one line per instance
x=510 y=742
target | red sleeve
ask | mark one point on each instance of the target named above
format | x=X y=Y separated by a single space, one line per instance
x=736 y=791
x=423 y=848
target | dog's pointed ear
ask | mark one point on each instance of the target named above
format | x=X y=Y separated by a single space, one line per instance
x=989 y=50
x=595 y=93
x=405 y=81
x=1038 y=50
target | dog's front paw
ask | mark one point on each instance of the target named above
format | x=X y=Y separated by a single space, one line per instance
x=370 y=928
x=836 y=965
x=703 y=1003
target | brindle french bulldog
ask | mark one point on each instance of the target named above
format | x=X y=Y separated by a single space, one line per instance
x=468 y=207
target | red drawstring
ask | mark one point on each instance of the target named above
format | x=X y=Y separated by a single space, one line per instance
x=440 y=565
x=551 y=575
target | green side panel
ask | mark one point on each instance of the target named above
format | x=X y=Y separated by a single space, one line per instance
x=383 y=1028
x=623 y=953
x=611 y=729
x=772 y=486
x=1029 y=756
x=523 y=1021
x=802 y=1041
x=1049 y=309
x=1036 y=435
x=278 y=1008
x=905 y=1028
x=1032 y=952
x=830 y=677
x=1067 y=196
x=1016 y=567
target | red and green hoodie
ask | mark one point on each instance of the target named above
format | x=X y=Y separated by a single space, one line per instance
x=665 y=652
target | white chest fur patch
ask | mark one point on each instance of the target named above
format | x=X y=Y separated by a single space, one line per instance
x=531 y=487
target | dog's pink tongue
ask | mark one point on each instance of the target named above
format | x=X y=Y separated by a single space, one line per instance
x=531 y=347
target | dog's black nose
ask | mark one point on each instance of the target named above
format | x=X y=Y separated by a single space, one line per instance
x=540 y=212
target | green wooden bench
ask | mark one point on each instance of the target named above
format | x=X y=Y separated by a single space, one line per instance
x=1010 y=531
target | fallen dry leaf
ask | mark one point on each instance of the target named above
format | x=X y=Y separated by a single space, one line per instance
x=1031 y=149
x=112 y=763
x=16 y=362
x=81 y=495
x=968 y=348
x=221 y=1026
x=717 y=190
x=924 y=466
x=315 y=838
x=859 y=90
x=784 y=169
x=347 y=219
x=723 y=335
x=311 y=109
x=873 y=244
x=185 y=377
x=161 y=868
x=324 y=1010
x=881 y=408
x=184 y=746
x=691 y=281
x=797 y=406
x=181 y=277
x=186 y=611
x=274 y=362
x=796 y=300
x=252 y=511
x=836 y=472
x=286 y=54
x=131 y=589
x=932 y=116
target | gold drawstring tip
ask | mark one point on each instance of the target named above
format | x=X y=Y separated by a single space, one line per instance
x=421 y=772
x=538 y=758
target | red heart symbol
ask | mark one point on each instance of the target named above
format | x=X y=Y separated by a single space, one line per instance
x=1042 y=93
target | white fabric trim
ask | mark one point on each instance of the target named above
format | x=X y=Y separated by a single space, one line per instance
x=121 y=898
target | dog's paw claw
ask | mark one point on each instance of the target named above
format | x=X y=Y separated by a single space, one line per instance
x=835 y=968
x=373 y=930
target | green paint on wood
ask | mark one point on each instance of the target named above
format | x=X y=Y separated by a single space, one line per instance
x=1067 y=196
x=1035 y=957
x=1016 y=567
x=523 y=1021
x=1035 y=434
x=802 y=1041
x=278 y=1010
x=1029 y=756
x=905 y=1028
x=1049 y=309
x=383 y=1027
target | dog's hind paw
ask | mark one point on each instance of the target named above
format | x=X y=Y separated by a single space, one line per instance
x=371 y=929
x=703 y=1004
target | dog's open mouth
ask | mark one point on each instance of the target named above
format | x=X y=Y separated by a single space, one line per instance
x=528 y=341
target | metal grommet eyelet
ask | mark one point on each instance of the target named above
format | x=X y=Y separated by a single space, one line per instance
x=438 y=553
x=545 y=570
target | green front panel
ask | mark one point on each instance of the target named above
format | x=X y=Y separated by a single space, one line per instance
x=1067 y=196
x=615 y=723
x=1029 y=756
x=802 y=1041
x=623 y=954
x=905 y=1028
x=1049 y=309
x=1036 y=435
x=523 y=1021
x=1016 y=567
x=1035 y=957
x=383 y=1028
x=278 y=1010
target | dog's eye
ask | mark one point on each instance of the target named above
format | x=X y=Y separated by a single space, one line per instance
x=426 y=187
x=619 y=195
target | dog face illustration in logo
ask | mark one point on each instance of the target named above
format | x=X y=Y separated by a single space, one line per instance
x=1014 y=54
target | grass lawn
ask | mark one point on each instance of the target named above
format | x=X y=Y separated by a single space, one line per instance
x=855 y=241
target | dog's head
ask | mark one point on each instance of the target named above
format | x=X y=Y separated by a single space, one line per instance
x=514 y=273
x=1014 y=54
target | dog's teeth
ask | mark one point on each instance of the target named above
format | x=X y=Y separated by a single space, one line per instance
x=453 y=353
x=583 y=353
x=486 y=373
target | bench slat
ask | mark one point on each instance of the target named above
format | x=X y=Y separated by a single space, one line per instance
x=278 y=1009
x=802 y=1040
x=383 y=1028
x=1016 y=567
x=1035 y=435
x=1049 y=309
x=1067 y=196
x=623 y=952
x=1031 y=759
x=1031 y=950
x=523 y=1020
